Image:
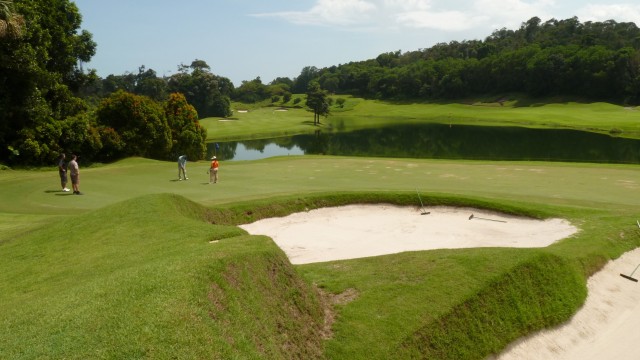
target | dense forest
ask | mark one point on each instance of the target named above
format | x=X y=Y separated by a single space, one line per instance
x=49 y=104
x=592 y=60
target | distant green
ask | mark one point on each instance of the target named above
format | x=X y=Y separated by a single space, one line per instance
x=265 y=122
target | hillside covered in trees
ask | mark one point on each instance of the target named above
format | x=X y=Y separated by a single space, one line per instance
x=594 y=60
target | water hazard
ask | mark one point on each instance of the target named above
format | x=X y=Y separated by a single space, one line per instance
x=445 y=142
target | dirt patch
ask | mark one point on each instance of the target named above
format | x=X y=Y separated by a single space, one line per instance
x=329 y=302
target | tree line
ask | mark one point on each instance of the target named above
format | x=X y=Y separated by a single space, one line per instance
x=50 y=104
x=592 y=60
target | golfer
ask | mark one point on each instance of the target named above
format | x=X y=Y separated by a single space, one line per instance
x=182 y=167
x=74 y=169
x=213 y=171
x=62 y=171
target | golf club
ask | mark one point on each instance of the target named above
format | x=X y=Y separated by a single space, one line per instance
x=424 y=212
x=638 y=222
x=477 y=217
x=630 y=276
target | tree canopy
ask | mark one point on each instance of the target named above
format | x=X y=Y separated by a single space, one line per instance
x=318 y=101
x=595 y=60
x=41 y=83
x=40 y=52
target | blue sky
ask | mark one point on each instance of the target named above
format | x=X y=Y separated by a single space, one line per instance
x=244 y=39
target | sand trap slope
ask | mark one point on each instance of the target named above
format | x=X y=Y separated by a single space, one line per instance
x=605 y=328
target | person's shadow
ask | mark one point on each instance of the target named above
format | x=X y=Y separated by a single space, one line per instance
x=59 y=192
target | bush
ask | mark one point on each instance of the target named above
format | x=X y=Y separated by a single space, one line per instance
x=189 y=137
x=140 y=123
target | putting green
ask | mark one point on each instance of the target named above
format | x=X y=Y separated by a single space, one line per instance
x=595 y=186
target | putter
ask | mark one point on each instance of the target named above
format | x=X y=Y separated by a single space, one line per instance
x=477 y=217
x=630 y=276
x=424 y=212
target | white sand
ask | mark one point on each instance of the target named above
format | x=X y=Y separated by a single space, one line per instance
x=357 y=231
x=607 y=327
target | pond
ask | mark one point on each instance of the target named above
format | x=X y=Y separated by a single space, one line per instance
x=445 y=142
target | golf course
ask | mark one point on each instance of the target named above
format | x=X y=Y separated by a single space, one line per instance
x=144 y=266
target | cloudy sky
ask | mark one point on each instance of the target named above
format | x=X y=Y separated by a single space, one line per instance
x=245 y=39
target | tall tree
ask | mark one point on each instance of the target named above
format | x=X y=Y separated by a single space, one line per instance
x=318 y=101
x=208 y=93
x=189 y=138
x=39 y=72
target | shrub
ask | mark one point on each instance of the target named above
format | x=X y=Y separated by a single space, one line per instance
x=189 y=137
x=140 y=123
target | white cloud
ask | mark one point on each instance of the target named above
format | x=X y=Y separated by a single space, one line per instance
x=446 y=20
x=617 y=12
x=329 y=12
x=408 y=5
x=512 y=13
x=480 y=16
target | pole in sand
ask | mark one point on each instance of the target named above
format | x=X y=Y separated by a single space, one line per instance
x=630 y=276
x=424 y=212
x=477 y=217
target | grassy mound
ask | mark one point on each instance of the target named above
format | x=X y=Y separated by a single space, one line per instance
x=541 y=292
x=152 y=277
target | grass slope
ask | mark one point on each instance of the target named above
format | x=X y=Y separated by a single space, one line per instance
x=140 y=279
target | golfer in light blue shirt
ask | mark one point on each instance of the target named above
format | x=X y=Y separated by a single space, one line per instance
x=182 y=167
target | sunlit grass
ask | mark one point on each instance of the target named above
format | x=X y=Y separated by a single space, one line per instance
x=264 y=122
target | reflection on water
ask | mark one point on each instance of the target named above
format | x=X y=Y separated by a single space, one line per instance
x=445 y=142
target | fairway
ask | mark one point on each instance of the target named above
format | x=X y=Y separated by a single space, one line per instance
x=585 y=185
x=357 y=113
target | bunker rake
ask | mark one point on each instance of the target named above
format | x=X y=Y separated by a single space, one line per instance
x=477 y=217
x=424 y=212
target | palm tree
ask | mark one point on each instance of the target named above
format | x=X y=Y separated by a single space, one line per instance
x=11 y=23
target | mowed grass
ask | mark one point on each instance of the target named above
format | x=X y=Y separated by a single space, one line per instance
x=357 y=113
x=271 y=122
x=600 y=186
x=144 y=266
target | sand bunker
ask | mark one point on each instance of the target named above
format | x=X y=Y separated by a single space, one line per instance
x=605 y=328
x=357 y=231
